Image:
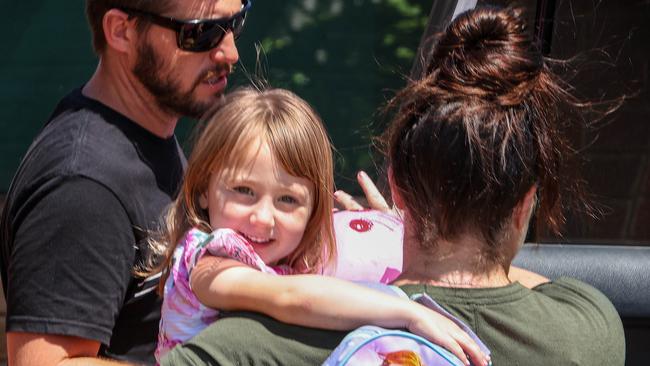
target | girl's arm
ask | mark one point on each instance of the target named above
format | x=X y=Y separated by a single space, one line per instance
x=322 y=302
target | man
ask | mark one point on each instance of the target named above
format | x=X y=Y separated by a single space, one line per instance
x=98 y=176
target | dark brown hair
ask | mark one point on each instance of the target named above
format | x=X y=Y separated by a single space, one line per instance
x=479 y=130
x=96 y=9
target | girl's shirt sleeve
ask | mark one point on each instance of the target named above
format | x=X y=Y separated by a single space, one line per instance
x=222 y=243
x=183 y=315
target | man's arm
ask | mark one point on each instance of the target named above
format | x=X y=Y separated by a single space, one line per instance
x=46 y=350
x=68 y=274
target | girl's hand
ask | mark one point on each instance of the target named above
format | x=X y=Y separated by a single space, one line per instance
x=444 y=332
x=375 y=199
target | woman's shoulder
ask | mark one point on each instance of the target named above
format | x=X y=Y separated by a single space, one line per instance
x=575 y=293
x=576 y=298
x=584 y=310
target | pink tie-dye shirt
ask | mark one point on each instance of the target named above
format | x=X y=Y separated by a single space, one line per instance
x=183 y=315
x=369 y=249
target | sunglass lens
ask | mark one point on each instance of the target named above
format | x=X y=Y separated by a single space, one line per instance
x=237 y=24
x=206 y=35
x=201 y=36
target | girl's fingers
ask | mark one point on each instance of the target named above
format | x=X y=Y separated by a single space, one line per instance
x=454 y=339
x=347 y=201
x=472 y=349
x=376 y=200
x=454 y=347
x=449 y=335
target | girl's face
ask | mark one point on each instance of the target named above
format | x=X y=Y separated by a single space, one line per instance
x=262 y=202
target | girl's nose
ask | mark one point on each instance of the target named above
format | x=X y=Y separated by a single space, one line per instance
x=263 y=214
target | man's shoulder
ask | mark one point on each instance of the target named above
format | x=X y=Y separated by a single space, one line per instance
x=88 y=139
x=82 y=135
x=76 y=131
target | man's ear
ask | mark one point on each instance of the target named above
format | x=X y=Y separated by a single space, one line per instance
x=398 y=201
x=119 y=31
x=524 y=209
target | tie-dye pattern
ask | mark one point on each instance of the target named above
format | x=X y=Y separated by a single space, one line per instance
x=183 y=315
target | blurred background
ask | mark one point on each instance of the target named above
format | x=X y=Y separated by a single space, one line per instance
x=347 y=57
x=344 y=57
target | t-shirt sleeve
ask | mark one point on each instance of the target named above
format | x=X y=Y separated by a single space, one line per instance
x=222 y=243
x=594 y=315
x=71 y=263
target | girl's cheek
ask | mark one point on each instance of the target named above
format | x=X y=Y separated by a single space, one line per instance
x=301 y=222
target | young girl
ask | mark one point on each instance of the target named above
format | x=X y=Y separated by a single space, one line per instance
x=256 y=202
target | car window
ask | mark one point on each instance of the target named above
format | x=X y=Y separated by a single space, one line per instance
x=607 y=43
x=611 y=41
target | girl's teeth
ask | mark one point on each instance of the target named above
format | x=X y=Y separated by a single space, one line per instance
x=257 y=240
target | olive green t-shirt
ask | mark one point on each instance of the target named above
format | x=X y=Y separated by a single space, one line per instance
x=565 y=322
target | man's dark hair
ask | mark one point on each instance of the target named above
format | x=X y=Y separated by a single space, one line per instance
x=96 y=9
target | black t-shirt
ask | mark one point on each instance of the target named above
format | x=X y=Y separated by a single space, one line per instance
x=90 y=187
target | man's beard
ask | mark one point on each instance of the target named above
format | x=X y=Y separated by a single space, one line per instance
x=167 y=91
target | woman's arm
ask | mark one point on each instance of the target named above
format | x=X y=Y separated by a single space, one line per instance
x=322 y=302
x=527 y=278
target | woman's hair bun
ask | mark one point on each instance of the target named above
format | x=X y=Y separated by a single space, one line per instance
x=487 y=53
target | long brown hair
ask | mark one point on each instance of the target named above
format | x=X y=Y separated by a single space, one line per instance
x=479 y=130
x=298 y=140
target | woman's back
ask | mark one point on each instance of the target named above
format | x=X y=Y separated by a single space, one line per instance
x=564 y=322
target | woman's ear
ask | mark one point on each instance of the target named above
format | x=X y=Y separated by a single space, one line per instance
x=398 y=201
x=524 y=209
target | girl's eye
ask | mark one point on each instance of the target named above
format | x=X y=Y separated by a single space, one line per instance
x=288 y=199
x=243 y=190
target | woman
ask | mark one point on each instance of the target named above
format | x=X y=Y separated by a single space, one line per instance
x=474 y=149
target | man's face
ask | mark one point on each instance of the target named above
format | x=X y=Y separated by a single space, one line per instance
x=186 y=83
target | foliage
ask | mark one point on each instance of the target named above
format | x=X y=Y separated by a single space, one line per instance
x=344 y=57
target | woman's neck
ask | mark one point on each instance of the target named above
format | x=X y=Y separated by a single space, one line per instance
x=458 y=263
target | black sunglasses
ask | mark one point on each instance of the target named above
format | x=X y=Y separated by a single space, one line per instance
x=198 y=35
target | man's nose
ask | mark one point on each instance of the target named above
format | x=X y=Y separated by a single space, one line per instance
x=226 y=52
